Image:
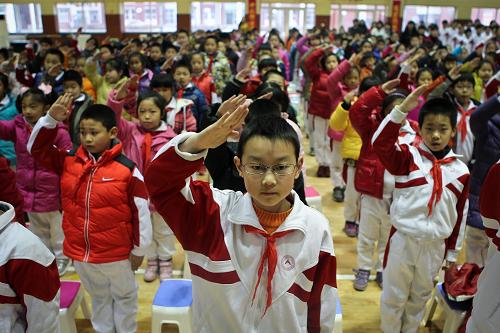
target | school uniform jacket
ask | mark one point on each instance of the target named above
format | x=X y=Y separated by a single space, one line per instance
x=104 y=201
x=29 y=280
x=224 y=258
x=414 y=187
x=490 y=212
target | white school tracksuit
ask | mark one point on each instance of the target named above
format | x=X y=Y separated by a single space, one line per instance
x=29 y=281
x=419 y=242
x=485 y=317
x=374 y=221
x=218 y=231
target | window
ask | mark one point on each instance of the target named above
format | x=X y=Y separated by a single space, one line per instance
x=285 y=16
x=485 y=15
x=343 y=15
x=427 y=14
x=216 y=15
x=149 y=16
x=89 y=16
x=23 y=18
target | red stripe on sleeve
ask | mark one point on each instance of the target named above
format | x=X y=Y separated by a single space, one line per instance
x=326 y=274
x=451 y=242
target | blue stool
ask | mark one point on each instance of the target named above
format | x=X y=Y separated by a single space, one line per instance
x=338 y=318
x=453 y=311
x=172 y=305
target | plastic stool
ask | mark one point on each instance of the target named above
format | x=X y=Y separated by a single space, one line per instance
x=313 y=198
x=338 y=318
x=71 y=299
x=454 y=311
x=172 y=305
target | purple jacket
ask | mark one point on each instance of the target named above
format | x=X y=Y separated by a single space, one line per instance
x=485 y=124
x=38 y=186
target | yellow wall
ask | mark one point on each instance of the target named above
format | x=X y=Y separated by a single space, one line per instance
x=322 y=6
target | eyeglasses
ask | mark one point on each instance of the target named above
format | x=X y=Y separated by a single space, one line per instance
x=277 y=169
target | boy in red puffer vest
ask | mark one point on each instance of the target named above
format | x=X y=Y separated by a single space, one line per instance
x=106 y=219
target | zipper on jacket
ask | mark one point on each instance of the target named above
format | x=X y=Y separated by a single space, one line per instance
x=87 y=215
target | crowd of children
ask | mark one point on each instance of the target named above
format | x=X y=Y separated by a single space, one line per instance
x=98 y=146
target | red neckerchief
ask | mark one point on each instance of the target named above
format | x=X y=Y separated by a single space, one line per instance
x=462 y=124
x=180 y=92
x=146 y=149
x=209 y=68
x=437 y=176
x=272 y=259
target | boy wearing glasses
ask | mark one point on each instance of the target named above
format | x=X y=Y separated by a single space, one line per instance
x=256 y=258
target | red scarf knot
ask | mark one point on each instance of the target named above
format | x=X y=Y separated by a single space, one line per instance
x=437 y=176
x=271 y=255
x=462 y=124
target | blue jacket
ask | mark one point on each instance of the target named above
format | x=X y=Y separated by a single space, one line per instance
x=8 y=112
x=485 y=124
x=56 y=83
x=200 y=106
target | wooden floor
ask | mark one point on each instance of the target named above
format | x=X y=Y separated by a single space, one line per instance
x=360 y=309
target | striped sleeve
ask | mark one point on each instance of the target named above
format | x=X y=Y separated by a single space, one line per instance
x=41 y=145
x=142 y=229
x=489 y=199
x=455 y=241
x=396 y=158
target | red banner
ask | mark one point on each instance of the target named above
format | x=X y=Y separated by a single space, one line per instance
x=252 y=14
x=395 y=19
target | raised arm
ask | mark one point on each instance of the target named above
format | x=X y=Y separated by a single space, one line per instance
x=336 y=77
x=43 y=136
x=311 y=64
x=189 y=206
x=396 y=158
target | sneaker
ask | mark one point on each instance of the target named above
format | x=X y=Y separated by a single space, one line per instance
x=379 y=279
x=151 y=272
x=338 y=194
x=165 y=269
x=361 y=280
x=323 y=171
x=311 y=152
x=327 y=171
x=351 y=229
x=62 y=266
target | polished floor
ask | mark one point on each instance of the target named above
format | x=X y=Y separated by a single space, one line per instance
x=360 y=309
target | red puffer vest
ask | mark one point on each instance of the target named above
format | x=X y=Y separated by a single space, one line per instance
x=365 y=116
x=97 y=217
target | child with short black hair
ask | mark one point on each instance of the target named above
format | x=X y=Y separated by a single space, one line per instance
x=462 y=90
x=106 y=219
x=73 y=85
x=185 y=88
x=38 y=185
x=216 y=64
x=178 y=114
x=156 y=58
x=233 y=230
x=48 y=80
x=428 y=210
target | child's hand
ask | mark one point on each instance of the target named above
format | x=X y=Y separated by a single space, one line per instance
x=390 y=86
x=135 y=261
x=350 y=95
x=126 y=88
x=167 y=64
x=454 y=73
x=60 y=109
x=54 y=70
x=411 y=101
x=355 y=58
x=230 y=105
x=243 y=75
x=217 y=133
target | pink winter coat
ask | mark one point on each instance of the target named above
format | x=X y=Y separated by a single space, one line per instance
x=131 y=135
x=337 y=90
x=38 y=185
